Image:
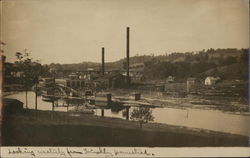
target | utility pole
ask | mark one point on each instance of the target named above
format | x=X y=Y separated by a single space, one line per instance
x=128 y=79
x=37 y=82
x=36 y=96
x=26 y=92
x=53 y=97
x=26 y=83
x=103 y=53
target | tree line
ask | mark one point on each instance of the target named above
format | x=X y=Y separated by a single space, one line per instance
x=180 y=65
x=199 y=64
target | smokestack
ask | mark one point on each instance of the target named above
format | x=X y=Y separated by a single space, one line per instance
x=128 y=81
x=102 y=60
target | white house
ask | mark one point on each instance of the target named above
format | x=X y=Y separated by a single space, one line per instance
x=170 y=79
x=211 y=80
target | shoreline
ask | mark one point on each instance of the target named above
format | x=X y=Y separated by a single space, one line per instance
x=168 y=102
x=185 y=102
x=181 y=112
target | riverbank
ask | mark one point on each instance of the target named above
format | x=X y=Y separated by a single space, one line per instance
x=224 y=104
x=62 y=129
x=214 y=120
x=221 y=103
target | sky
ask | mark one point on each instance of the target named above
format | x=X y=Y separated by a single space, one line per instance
x=73 y=31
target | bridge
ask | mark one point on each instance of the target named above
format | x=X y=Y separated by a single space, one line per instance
x=62 y=92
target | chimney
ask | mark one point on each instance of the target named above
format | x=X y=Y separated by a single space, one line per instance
x=128 y=80
x=102 y=60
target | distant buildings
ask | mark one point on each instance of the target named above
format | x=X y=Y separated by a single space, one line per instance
x=91 y=69
x=113 y=80
x=136 y=72
x=74 y=81
x=12 y=74
x=170 y=79
x=17 y=74
x=46 y=82
x=93 y=80
x=175 y=87
x=211 y=80
x=137 y=67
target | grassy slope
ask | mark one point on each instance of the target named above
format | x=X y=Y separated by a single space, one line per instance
x=26 y=129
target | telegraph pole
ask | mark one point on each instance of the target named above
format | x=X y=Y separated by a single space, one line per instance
x=36 y=96
x=127 y=50
x=103 y=55
x=53 y=92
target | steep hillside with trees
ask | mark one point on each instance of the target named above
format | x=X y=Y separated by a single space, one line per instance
x=225 y=63
x=213 y=62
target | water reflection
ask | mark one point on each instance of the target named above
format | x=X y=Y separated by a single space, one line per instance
x=195 y=118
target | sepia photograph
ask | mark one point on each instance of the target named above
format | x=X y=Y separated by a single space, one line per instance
x=124 y=73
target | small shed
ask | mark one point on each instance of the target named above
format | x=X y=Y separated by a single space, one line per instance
x=12 y=106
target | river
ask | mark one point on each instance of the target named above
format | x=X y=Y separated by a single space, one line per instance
x=194 y=118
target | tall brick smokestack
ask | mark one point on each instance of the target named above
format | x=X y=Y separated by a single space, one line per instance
x=103 y=60
x=128 y=79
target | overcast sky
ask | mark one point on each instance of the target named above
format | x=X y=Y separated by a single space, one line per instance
x=73 y=31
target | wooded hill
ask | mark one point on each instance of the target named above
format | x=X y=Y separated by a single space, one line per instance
x=225 y=63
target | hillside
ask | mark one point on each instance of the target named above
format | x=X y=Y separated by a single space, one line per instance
x=226 y=63
x=233 y=71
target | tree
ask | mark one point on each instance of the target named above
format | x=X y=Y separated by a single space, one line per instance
x=142 y=115
x=29 y=68
x=244 y=55
x=228 y=60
